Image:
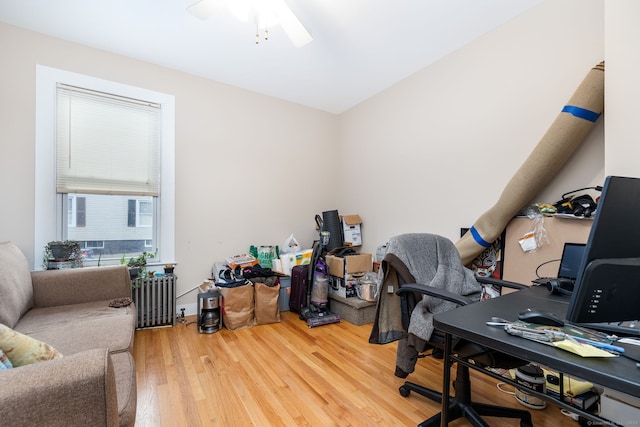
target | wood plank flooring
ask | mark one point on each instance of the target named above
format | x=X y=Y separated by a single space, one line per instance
x=286 y=374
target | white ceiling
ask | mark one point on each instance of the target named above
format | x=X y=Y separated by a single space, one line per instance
x=359 y=47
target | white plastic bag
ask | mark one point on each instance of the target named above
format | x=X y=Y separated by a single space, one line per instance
x=536 y=237
x=290 y=245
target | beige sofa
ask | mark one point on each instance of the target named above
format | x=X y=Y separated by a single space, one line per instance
x=93 y=383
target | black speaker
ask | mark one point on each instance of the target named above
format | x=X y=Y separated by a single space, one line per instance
x=331 y=223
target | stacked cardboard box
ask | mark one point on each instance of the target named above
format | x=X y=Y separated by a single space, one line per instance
x=344 y=273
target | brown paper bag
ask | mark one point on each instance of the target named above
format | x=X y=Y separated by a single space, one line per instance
x=266 y=300
x=237 y=307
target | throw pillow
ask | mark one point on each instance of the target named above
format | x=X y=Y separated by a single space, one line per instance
x=24 y=350
x=5 y=363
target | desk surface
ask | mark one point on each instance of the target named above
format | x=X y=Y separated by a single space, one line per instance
x=468 y=322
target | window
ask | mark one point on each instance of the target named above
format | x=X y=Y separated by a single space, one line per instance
x=81 y=211
x=140 y=213
x=71 y=212
x=145 y=213
x=101 y=143
x=76 y=211
x=94 y=244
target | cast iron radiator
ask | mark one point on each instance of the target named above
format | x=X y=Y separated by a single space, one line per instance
x=155 y=299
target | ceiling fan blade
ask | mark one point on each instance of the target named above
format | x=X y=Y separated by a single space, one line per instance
x=291 y=24
x=204 y=9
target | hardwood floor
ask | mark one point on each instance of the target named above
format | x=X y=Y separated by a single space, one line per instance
x=286 y=374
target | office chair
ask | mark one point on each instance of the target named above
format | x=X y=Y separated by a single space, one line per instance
x=460 y=405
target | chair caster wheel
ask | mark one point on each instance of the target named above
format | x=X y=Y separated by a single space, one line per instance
x=404 y=391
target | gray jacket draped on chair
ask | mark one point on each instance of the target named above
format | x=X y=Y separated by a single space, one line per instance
x=427 y=259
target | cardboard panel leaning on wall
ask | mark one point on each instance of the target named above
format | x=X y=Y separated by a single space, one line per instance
x=520 y=266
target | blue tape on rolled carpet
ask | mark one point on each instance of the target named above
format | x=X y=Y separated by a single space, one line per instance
x=478 y=238
x=581 y=113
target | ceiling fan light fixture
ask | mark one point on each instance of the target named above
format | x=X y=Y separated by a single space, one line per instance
x=204 y=9
x=267 y=13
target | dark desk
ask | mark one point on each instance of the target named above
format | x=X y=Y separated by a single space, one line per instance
x=468 y=322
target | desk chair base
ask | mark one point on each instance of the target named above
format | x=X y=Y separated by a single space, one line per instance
x=461 y=405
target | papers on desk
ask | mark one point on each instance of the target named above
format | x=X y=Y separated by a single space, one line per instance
x=580 y=341
x=584 y=350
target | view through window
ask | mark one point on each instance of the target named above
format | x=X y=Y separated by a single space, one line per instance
x=112 y=145
x=107 y=147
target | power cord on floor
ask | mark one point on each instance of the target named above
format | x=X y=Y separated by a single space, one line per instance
x=502 y=384
x=573 y=416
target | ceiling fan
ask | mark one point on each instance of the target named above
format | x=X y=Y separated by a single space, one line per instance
x=266 y=13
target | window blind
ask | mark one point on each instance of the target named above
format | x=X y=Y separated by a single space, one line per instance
x=106 y=144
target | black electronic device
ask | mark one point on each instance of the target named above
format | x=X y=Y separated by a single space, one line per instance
x=560 y=286
x=607 y=288
x=572 y=254
x=564 y=281
x=539 y=317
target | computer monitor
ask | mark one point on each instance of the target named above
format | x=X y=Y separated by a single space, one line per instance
x=607 y=288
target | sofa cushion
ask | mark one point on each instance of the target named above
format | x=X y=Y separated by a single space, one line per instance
x=24 y=350
x=78 y=327
x=16 y=292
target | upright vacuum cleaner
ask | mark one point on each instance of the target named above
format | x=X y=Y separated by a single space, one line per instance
x=317 y=313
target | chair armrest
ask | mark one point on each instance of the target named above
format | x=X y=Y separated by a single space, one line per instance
x=500 y=282
x=434 y=292
x=53 y=288
x=76 y=390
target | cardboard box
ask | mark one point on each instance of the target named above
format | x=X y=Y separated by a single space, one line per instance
x=351 y=225
x=344 y=287
x=339 y=267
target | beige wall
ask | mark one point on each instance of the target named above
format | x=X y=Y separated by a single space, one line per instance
x=435 y=150
x=622 y=152
x=429 y=154
x=244 y=162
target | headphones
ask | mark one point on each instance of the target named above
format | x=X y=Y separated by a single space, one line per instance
x=560 y=286
x=583 y=206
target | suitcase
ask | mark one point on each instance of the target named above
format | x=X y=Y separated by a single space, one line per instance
x=299 y=287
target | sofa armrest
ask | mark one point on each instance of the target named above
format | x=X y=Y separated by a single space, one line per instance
x=79 y=285
x=77 y=390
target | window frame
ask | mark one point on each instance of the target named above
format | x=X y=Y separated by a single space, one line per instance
x=49 y=227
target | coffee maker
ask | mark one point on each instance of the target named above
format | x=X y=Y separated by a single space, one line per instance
x=209 y=316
